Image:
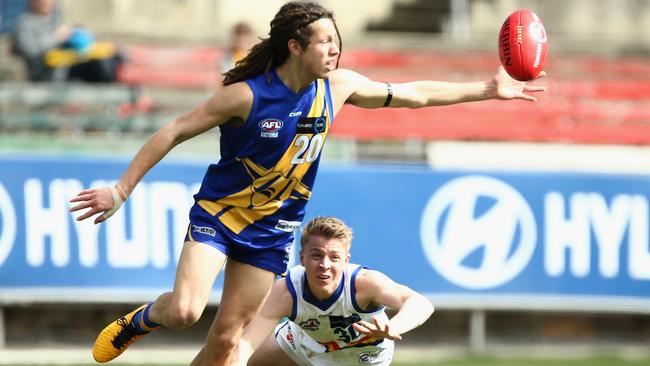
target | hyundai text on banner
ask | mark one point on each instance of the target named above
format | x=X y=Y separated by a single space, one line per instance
x=467 y=239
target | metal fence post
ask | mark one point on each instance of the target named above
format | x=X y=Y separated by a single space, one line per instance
x=477 y=331
x=2 y=328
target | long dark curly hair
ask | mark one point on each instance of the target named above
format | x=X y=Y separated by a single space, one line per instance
x=291 y=22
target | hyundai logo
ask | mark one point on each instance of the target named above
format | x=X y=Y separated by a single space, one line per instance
x=478 y=232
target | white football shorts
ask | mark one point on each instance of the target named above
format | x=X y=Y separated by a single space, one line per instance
x=305 y=351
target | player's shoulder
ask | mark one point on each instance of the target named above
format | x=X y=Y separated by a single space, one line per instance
x=281 y=298
x=368 y=284
x=237 y=96
x=344 y=83
x=369 y=280
x=237 y=91
x=342 y=75
x=281 y=288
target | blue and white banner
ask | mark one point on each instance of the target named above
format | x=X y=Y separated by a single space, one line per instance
x=466 y=239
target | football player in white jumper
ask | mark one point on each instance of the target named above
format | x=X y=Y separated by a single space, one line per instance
x=328 y=311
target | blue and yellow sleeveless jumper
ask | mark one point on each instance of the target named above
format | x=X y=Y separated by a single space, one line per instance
x=255 y=196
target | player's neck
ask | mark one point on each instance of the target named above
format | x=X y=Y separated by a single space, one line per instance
x=294 y=76
x=322 y=294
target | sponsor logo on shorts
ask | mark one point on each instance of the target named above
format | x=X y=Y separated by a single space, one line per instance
x=287 y=253
x=369 y=357
x=270 y=127
x=204 y=230
x=287 y=226
x=310 y=324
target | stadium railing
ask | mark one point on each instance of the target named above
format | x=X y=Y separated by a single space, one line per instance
x=82 y=108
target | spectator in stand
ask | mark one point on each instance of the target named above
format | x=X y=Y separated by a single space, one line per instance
x=56 y=52
x=241 y=42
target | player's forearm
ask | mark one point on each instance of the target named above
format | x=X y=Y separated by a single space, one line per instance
x=254 y=335
x=158 y=145
x=437 y=93
x=415 y=310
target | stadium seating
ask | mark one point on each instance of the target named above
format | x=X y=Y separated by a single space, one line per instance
x=590 y=99
x=74 y=107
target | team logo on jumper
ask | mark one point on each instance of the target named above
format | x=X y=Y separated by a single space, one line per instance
x=270 y=127
x=310 y=324
x=478 y=232
x=311 y=125
x=204 y=230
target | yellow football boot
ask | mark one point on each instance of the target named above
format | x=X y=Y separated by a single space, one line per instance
x=117 y=337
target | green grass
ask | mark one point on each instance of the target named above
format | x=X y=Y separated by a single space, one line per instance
x=493 y=361
x=499 y=361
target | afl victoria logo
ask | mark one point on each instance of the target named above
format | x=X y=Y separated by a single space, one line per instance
x=271 y=125
x=478 y=232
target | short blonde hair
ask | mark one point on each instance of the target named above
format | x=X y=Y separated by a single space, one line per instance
x=328 y=227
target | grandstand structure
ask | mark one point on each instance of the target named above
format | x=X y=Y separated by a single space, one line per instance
x=594 y=119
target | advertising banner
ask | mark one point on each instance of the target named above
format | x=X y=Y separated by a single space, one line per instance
x=467 y=239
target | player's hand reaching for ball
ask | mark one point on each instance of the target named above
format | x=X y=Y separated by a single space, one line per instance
x=508 y=88
x=376 y=329
x=106 y=200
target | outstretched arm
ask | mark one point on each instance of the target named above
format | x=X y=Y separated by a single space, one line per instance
x=412 y=308
x=356 y=89
x=230 y=102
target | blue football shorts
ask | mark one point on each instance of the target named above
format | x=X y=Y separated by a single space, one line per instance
x=272 y=255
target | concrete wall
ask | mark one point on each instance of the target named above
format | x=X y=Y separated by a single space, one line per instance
x=592 y=21
x=202 y=20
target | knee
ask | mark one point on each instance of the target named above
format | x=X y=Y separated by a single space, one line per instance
x=224 y=342
x=183 y=315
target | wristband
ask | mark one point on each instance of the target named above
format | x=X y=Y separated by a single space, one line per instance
x=118 y=199
x=120 y=192
x=389 y=97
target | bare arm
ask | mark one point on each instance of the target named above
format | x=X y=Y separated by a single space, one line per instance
x=230 y=102
x=277 y=306
x=412 y=308
x=356 y=89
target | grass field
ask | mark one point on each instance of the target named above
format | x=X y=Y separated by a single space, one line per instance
x=462 y=361
x=483 y=361
x=489 y=361
x=557 y=355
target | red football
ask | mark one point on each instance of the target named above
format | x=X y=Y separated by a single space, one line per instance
x=523 y=45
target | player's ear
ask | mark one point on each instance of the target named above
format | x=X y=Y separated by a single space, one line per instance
x=347 y=258
x=302 y=258
x=294 y=47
